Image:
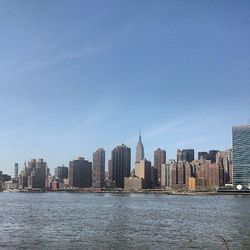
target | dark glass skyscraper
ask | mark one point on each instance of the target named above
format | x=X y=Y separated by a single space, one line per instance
x=16 y=171
x=185 y=155
x=139 y=150
x=241 y=156
x=80 y=173
x=121 y=164
x=98 y=173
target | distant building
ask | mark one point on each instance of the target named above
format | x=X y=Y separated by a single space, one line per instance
x=210 y=172
x=11 y=184
x=4 y=178
x=121 y=164
x=57 y=185
x=210 y=156
x=159 y=159
x=178 y=155
x=110 y=175
x=200 y=174
x=179 y=173
x=38 y=175
x=225 y=161
x=241 y=156
x=196 y=184
x=1 y=180
x=202 y=155
x=61 y=172
x=185 y=155
x=154 y=177
x=143 y=170
x=166 y=180
x=139 y=150
x=16 y=171
x=133 y=183
x=80 y=173
x=98 y=173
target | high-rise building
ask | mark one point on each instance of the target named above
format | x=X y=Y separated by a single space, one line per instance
x=178 y=155
x=159 y=159
x=208 y=171
x=154 y=177
x=16 y=171
x=110 y=170
x=121 y=164
x=211 y=155
x=61 y=172
x=241 y=156
x=166 y=180
x=225 y=161
x=139 y=150
x=38 y=174
x=143 y=170
x=98 y=173
x=179 y=174
x=202 y=155
x=80 y=173
x=187 y=155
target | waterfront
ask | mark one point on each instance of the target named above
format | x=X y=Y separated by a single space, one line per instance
x=123 y=221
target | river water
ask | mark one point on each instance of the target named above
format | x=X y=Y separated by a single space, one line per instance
x=123 y=221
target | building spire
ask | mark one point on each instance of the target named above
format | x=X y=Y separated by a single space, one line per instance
x=139 y=149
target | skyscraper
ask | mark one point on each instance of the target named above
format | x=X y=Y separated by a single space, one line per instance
x=143 y=170
x=159 y=159
x=185 y=155
x=225 y=160
x=139 y=150
x=121 y=164
x=202 y=155
x=211 y=155
x=16 y=171
x=98 y=173
x=61 y=172
x=110 y=169
x=241 y=156
x=39 y=172
x=80 y=173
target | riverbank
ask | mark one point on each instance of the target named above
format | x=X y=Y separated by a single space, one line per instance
x=158 y=191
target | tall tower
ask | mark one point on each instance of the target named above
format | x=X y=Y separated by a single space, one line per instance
x=241 y=156
x=16 y=170
x=98 y=174
x=139 y=150
x=159 y=158
x=121 y=164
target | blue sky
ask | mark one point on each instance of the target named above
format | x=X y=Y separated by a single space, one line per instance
x=79 y=75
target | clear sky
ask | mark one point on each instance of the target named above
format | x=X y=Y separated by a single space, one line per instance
x=79 y=75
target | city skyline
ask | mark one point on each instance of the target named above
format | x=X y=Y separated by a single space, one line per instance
x=82 y=76
x=132 y=164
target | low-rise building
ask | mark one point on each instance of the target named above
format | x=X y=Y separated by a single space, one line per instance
x=11 y=184
x=133 y=184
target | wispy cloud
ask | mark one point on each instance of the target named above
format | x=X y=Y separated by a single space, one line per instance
x=41 y=56
x=163 y=128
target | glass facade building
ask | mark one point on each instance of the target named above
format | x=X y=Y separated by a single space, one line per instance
x=241 y=156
